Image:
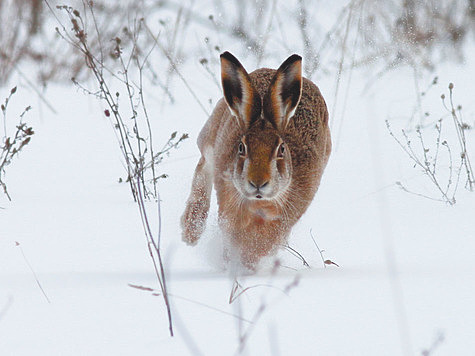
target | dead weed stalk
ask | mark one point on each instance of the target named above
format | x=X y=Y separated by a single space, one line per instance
x=129 y=117
x=238 y=290
x=12 y=143
x=445 y=178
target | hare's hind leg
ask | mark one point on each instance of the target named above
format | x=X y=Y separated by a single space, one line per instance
x=193 y=221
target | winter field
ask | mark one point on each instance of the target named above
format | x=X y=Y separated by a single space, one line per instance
x=72 y=244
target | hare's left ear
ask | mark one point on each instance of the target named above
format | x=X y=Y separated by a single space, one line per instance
x=242 y=98
x=284 y=92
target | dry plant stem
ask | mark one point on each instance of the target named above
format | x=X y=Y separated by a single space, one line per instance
x=32 y=271
x=449 y=181
x=325 y=262
x=174 y=296
x=394 y=34
x=438 y=127
x=147 y=119
x=134 y=159
x=97 y=69
x=400 y=185
x=187 y=337
x=460 y=129
x=244 y=337
x=244 y=333
x=438 y=340
x=11 y=146
x=160 y=272
x=318 y=248
x=296 y=254
x=235 y=295
x=429 y=164
x=425 y=166
x=211 y=308
x=260 y=311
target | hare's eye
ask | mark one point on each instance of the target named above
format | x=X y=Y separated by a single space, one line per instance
x=241 y=148
x=281 y=150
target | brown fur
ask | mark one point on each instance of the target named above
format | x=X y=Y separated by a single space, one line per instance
x=257 y=227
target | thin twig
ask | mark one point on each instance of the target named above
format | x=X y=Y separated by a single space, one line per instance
x=154 y=293
x=260 y=311
x=296 y=254
x=318 y=248
x=233 y=296
x=134 y=154
x=32 y=271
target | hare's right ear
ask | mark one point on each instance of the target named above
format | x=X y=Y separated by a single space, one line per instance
x=242 y=98
x=284 y=92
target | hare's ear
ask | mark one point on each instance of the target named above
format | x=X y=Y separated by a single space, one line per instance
x=242 y=98
x=284 y=92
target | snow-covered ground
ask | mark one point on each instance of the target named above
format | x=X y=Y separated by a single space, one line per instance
x=406 y=275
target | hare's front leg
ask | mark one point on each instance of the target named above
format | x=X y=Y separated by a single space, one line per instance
x=193 y=221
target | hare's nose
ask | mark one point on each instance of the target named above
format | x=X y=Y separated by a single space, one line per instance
x=258 y=185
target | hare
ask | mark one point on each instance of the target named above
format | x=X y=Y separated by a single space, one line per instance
x=264 y=148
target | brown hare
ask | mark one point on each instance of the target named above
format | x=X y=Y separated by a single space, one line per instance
x=264 y=148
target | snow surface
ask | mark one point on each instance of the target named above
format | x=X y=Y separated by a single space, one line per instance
x=81 y=232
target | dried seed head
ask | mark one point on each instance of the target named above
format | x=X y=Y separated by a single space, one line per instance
x=451 y=86
x=330 y=262
x=75 y=25
x=25 y=142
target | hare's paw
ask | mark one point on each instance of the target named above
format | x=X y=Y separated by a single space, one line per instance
x=193 y=223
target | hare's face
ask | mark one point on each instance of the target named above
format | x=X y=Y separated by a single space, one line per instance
x=263 y=166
